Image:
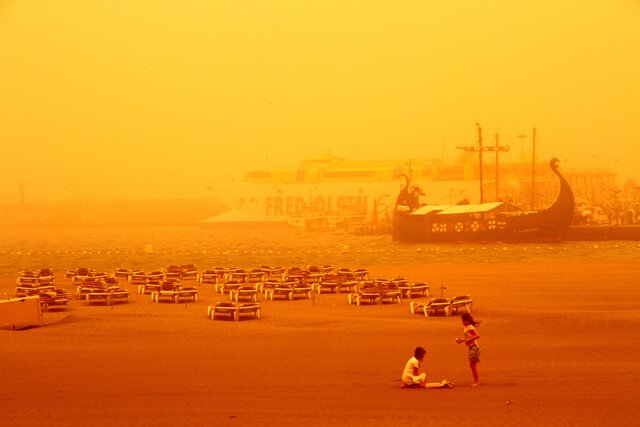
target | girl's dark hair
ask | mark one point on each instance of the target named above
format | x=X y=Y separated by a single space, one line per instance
x=419 y=352
x=469 y=318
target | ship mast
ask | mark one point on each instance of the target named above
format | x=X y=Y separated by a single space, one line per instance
x=497 y=148
x=480 y=157
x=480 y=148
x=533 y=170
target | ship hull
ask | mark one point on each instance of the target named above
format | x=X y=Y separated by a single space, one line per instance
x=491 y=222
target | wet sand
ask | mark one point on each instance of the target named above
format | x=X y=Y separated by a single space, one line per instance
x=559 y=342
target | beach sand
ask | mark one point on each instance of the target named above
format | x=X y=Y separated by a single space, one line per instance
x=559 y=347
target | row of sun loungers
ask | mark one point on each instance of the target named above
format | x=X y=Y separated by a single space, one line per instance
x=242 y=286
x=448 y=306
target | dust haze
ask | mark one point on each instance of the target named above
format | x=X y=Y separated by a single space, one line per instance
x=148 y=100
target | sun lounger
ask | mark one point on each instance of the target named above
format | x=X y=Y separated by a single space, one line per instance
x=209 y=277
x=233 y=310
x=461 y=301
x=187 y=293
x=46 y=277
x=138 y=278
x=314 y=279
x=123 y=272
x=391 y=295
x=370 y=297
x=269 y=285
x=348 y=286
x=300 y=290
x=98 y=296
x=228 y=286
x=326 y=269
x=152 y=285
x=53 y=299
x=239 y=276
x=329 y=283
x=432 y=307
x=25 y=289
x=284 y=289
x=247 y=291
x=189 y=272
x=119 y=296
x=374 y=292
x=256 y=276
x=361 y=274
x=89 y=285
x=410 y=290
x=79 y=274
x=274 y=272
x=168 y=291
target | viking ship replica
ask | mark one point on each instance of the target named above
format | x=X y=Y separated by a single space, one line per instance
x=484 y=222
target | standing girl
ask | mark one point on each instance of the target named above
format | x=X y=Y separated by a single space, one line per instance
x=470 y=336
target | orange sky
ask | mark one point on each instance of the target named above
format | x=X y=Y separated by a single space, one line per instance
x=137 y=99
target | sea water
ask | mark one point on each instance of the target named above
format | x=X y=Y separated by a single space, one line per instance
x=155 y=248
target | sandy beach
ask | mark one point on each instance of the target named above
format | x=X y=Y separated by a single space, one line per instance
x=559 y=343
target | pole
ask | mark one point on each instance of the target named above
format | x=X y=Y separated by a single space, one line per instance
x=497 y=151
x=480 y=158
x=533 y=170
x=521 y=165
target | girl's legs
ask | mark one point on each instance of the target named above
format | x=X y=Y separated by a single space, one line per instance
x=433 y=385
x=474 y=370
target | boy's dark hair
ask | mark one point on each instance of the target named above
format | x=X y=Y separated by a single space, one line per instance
x=419 y=352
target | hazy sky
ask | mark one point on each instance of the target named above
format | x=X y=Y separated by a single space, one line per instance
x=137 y=99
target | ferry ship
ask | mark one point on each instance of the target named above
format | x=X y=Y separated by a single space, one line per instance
x=329 y=191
